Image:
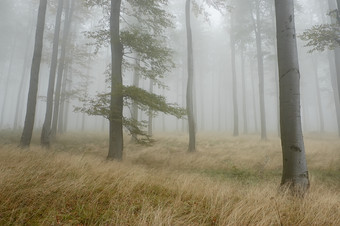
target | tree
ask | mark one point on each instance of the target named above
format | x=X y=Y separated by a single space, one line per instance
x=45 y=133
x=190 y=100
x=295 y=173
x=35 y=68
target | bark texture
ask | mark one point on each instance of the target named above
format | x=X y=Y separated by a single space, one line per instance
x=295 y=173
x=34 y=79
x=45 y=133
x=116 y=106
x=190 y=100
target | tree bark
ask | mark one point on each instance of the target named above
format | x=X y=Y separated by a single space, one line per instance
x=233 y=66
x=190 y=100
x=35 y=68
x=61 y=66
x=295 y=172
x=260 y=72
x=46 y=129
x=150 y=112
x=116 y=106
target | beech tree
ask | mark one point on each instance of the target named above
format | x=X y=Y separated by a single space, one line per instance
x=295 y=173
x=35 y=68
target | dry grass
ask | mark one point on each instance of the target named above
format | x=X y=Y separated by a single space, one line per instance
x=230 y=181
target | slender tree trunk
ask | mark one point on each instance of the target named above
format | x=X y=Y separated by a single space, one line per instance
x=134 y=112
x=10 y=65
x=45 y=133
x=33 y=89
x=260 y=72
x=335 y=67
x=318 y=95
x=190 y=100
x=62 y=114
x=244 y=96
x=61 y=66
x=254 y=99
x=150 y=112
x=233 y=66
x=295 y=172
x=23 y=81
x=68 y=98
x=116 y=107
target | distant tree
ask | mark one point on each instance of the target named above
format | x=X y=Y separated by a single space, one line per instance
x=46 y=129
x=35 y=68
x=295 y=172
x=190 y=84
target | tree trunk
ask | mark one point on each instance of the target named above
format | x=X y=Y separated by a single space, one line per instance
x=190 y=100
x=116 y=106
x=61 y=66
x=318 y=95
x=295 y=173
x=254 y=99
x=150 y=112
x=134 y=113
x=10 y=65
x=233 y=66
x=260 y=72
x=23 y=81
x=62 y=114
x=244 y=96
x=45 y=133
x=35 y=68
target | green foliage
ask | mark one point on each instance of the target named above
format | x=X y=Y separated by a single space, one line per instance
x=148 y=102
x=322 y=37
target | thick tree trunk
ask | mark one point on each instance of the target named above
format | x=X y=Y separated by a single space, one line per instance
x=33 y=89
x=61 y=66
x=190 y=100
x=233 y=66
x=45 y=133
x=116 y=106
x=295 y=173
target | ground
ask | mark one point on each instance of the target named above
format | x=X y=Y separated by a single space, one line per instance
x=229 y=181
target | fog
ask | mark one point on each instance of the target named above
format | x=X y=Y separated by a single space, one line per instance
x=86 y=67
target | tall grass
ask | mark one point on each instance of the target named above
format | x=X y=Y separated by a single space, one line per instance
x=230 y=181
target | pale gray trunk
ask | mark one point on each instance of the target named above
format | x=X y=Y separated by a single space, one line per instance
x=35 y=68
x=257 y=28
x=134 y=113
x=150 y=112
x=10 y=65
x=62 y=101
x=295 y=172
x=116 y=105
x=190 y=100
x=61 y=66
x=23 y=81
x=318 y=95
x=46 y=129
x=244 y=94
x=254 y=97
x=233 y=67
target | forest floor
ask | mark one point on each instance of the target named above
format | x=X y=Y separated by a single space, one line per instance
x=229 y=181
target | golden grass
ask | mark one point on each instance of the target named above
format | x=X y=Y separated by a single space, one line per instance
x=230 y=181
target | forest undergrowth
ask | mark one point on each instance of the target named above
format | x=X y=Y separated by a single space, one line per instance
x=229 y=181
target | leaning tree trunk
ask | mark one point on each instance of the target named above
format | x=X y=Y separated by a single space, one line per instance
x=150 y=111
x=45 y=133
x=190 y=100
x=61 y=66
x=295 y=173
x=116 y=105
x=35 y=68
